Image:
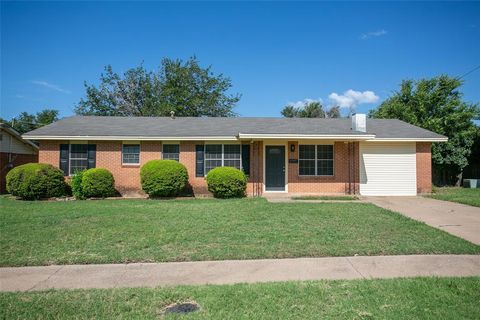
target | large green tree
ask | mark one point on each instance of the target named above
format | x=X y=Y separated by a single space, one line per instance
x=437 y=104
x=183 y=87
x=312 y=109
x=25 y=121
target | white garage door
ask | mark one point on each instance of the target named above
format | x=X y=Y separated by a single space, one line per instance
x=388 y=169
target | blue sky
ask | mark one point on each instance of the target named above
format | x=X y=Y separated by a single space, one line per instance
x=275 y=53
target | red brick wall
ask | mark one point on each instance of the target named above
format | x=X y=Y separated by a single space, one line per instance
x=127 y=177
x=424 y=167
x=49 y=152
x=345 y=178
x=15 y=159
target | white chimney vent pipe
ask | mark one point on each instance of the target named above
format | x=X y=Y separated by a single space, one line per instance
x=359 y=122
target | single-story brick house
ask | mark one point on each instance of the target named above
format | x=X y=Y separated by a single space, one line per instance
x=289 y=155
x=14 y=151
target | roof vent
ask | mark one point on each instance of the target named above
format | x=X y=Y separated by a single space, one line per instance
x=172 y=114
x=359 y=122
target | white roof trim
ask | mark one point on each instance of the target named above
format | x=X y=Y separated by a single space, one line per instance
x=305 y=136
x=364 y=137
x=129 y=138
x=409 y=140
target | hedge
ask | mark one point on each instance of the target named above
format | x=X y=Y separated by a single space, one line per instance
x=33 y=181
x=226 y=182
x=163 y=178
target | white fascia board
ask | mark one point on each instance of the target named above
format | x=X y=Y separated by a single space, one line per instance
x=408 y=140
x=305 y=136
x=127 y=138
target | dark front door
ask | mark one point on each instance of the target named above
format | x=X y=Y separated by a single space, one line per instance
x=275 y=168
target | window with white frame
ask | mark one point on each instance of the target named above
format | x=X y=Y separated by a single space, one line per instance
x=171 y=152
x=78 y=157
x=315 y=160
x=222 y=155
x=131 y=154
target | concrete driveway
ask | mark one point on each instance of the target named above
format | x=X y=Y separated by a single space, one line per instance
x=455 y=218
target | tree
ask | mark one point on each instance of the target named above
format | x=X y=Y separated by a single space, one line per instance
x=334 y=112
x=182 y=87
x=312 y=109
x=25 y=122
x=436 y=104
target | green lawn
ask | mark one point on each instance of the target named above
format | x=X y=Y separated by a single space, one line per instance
x=417 y=298
x=110 y=231
x=461 y=195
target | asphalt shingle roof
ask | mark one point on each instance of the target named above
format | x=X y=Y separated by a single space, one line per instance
x=206 y=127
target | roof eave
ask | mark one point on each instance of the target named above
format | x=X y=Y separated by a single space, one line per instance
x=306 y=136
x=130 y=138
x=440 y=139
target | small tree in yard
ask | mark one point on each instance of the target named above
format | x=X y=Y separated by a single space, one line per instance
x=436 y=104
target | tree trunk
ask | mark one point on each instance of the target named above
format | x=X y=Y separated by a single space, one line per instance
x=459 y=179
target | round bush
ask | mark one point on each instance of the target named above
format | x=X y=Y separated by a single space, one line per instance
x=226 y=182
x=33 y=181
x=97 y=183
x=163 y=178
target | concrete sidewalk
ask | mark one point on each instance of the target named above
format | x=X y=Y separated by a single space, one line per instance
x=458 y=219
x=234 y=271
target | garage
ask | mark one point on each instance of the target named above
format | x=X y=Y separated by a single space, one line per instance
x=388 y=169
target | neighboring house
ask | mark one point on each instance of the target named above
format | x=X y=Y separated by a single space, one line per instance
x=14 y=151
x=289 y=155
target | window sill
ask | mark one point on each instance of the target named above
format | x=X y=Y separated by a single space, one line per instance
x=130 y=165
x=316 y=177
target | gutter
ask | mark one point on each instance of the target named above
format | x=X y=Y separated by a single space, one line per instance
x=130 y=138
x=305 y=136
x=246 y=136
x=443 y=139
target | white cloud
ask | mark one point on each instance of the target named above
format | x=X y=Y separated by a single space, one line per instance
x=352 y=98
x=52 y=86
x=373 y=34
x=304 y=102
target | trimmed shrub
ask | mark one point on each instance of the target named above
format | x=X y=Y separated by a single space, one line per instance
x=76 y=184
x=163 y=178
x=97 y=183
x=34 y=181
x=227 y=182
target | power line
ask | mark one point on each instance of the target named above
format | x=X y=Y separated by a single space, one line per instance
x=466 y=74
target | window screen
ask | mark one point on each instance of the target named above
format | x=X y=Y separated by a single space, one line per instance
x=78 y=157
x=325 y=160
x=232 y=156
x=171 y=152
x=131 y=154
x=213 y=156
x=306 y=160
x=218 y=155
x=315 y=160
